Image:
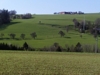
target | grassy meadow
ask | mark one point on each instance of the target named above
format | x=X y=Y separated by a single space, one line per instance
x=48 y=63
x=47 y=33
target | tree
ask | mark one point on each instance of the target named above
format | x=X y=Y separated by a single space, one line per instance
x=0 y=19
x=57 y=47
x=87 y=25
x=1 y=35
x=56 y=44
x=12 y=12
x=96 y=37
x=67 y=28
x=26 y=16
x=22 y=36
x=33 y=35
x=78 y=47
x=95 y=34
x=12 y=35
x=97 y=21
x=76 y=23
x=25 y=46
x=61 y=33
x=5 y=17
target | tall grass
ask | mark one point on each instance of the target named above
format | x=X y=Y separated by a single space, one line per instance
x=48 y=63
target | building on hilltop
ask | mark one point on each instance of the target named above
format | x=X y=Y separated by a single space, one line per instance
x=64 y=12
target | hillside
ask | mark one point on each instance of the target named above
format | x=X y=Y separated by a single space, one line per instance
x=47 y=33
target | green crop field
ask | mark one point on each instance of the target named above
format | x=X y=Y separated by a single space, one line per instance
x=48 y=63
x=47 y=33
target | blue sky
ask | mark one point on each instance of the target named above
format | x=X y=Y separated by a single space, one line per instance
x=50 y=6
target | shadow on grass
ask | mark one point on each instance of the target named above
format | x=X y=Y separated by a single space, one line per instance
x=59 y=19
x=2 y=27
x=59 y=26
x=53 y=25
x=50 y=24
x=39 y=39
x=10 y=39
x=68 y=37
x=74 y=33
x=4 y=38
x=28 y=18
x=18 y=39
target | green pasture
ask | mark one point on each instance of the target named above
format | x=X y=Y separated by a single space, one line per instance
x=48 y=63
x=47 y=32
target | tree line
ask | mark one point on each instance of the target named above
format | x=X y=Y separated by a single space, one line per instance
x=5 y=46
x=92 y=27
x=7 y=16
x=22 y=16
x=54 y=48
x=12 y=35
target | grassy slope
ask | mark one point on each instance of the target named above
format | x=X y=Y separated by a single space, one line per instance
x=43 y=63
x=47 y=34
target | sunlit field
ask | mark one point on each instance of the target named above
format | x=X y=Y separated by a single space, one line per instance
x=47 y=32
x=48 y=63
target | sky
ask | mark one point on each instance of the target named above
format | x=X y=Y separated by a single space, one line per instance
x=50 y=6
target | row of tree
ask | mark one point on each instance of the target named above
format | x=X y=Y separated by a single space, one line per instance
x=33 y=35
x=88 y=25
x=22 y=16
x=12 y=35
x=5 y=46
x=54 y=48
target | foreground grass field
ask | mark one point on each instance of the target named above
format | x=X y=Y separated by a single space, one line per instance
x=46 y=34
x=48 y=63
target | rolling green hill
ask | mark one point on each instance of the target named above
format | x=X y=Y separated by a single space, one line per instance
x=47 y=33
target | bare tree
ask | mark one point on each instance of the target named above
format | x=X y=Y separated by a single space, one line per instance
x=34 y=35
x=96 y=38
x=95 y=34
x=88 y=22
x=97 y=21
x=88 y=25
x=61 y=33
x=22 y=36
